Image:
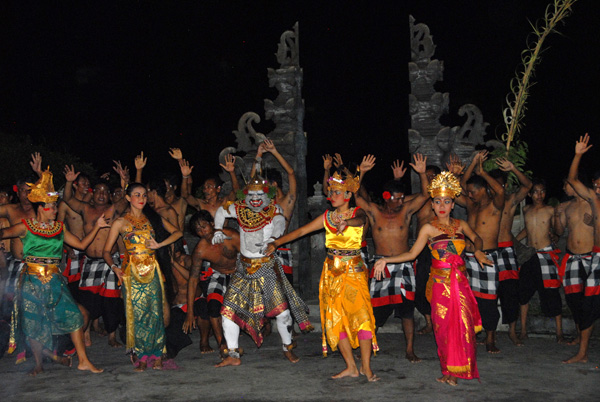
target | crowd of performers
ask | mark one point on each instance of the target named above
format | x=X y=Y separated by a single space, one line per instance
x=118 y=252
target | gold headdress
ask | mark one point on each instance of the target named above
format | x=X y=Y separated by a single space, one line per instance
x=43 y=189
x=444 y=184
x=257 y=183
x=350 y=183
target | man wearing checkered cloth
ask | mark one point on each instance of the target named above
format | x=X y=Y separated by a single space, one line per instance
x=540 y=272
x=575 y=217
x=590 y=310
x=390 y=222
x=100 y=291
x=484 y=201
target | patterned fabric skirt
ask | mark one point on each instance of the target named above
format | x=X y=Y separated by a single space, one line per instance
x=345 y=301
x=43 y=310
x=258 y=291
x=144 y=314
x=455 y=319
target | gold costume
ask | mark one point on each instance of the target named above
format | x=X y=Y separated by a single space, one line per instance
x=344 y=297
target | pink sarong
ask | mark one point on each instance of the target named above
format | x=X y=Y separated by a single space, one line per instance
x=454 y=314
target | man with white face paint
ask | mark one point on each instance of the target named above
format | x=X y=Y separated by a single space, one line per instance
x=258 y=289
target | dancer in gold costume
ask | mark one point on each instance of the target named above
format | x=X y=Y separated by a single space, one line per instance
x=143 y=281
x=346 y=313
x=454 y=313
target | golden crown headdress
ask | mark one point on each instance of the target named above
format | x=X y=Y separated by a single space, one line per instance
x=444 y=184
x=257 y=183
x=43 y=189
x=349 y=183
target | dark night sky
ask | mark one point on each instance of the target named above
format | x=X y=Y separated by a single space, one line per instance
x=113 y=78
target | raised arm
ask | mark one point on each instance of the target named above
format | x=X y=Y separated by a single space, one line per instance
x=525 y=184
x=140 y=163
x=36 y=163
x=229 y=167
x=362 y=197
x=560 y=218
x=18 y=230
x=581 y=147
x=292 y=190
x=186 y=175
x=469 y=172
x=497 y=189
x=420 y=166
x=72 y=202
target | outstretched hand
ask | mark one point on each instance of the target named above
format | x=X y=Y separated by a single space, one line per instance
x=123 y=173
x=36 y=163
x=70 y=174
x=398 y=169
x=420 y=165
x=582 y=146
x=186 y=169
x=368 y=162
x=341 y=227
x=455 y=165
x=268 y=146
x=140 y=161
x=337 y=160
x=504 y=164
x=327 y=162
x=175 y=153
x=229 y=165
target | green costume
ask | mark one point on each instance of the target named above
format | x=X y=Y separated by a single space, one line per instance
x=43 y=305
x=143 y=291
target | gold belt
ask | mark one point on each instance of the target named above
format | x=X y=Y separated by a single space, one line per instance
x=255 y=263
x=343 y=253
x=43 y=272
x=42 y=260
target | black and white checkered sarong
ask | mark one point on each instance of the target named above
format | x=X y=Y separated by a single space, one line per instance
x=483 y=280
x=74 y=265
x=398 y=282
x=217 y=286
x=93 y=275
x=574 y=270
x=592 y=282
x=548 y=257
x=285 y=259
x=507 y=263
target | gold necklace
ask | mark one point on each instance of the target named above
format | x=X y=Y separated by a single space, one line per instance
x=449 y=229
x=337 y=217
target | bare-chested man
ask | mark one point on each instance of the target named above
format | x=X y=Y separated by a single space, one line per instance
x=484 y=203
x=15 y=213
x=540 y=272
x=222 y=258
x=390 y=225
x=156 y=190
x=74 y=222
x=575 y=216
x=590 y=309
x=211 y=187
x=100 y=291
x=508 y=269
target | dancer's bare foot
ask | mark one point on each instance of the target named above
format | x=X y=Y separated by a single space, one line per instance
x=578 y=358
x=370 y=377
x=88 y=366
x=523 y=336
x=65 y=361
x=427 y=329
x=443 y=379
x=348 y=372
x=491 y=348
x=204 y=349
x=575 y=341
x=113 y=343
x=412 y=357
x=515 y=339
x=35 y=371
x=452 y=381
x=157 y=364
x=291 y=356
x=229 y=361
x=141 y=367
